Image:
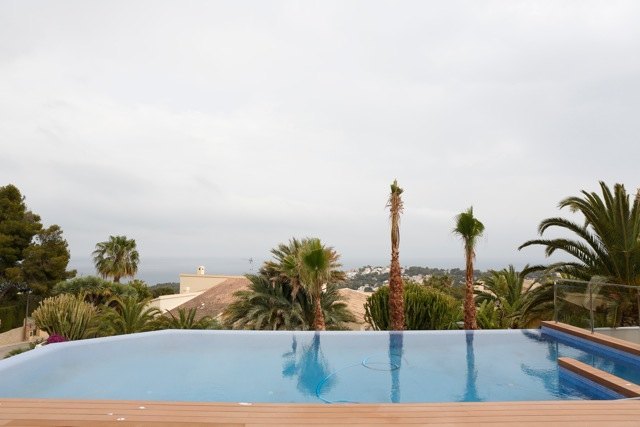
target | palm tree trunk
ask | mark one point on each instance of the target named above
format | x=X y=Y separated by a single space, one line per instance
x=469 y=302
x=318 y=316
x=396 y=292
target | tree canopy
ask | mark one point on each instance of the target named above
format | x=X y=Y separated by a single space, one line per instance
x=18 y=225
x=606 y=245
x=30 y=255
x=117 y=258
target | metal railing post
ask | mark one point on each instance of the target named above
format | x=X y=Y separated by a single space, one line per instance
x=555 y=301
x=638 y=298
x=591 y=306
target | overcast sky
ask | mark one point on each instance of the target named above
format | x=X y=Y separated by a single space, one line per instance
x=219 y=129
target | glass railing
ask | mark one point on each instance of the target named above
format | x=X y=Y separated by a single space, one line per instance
x=593 y=305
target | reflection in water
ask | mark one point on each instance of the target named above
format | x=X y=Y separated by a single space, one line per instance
x=471 y=392
x=555 y=349
x=548 y=377
x=310 y=366
x=395 y=363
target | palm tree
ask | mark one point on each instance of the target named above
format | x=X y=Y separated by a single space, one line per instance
x=127 y=316
x=116 y=258
x=469 y=229
x=287 y=264
x=264 y=306
x=315 y=273
x=396 y=295
x=267 y=305
x=607 y=245
x=504 y=291
x=186 y=319
x=335 y=311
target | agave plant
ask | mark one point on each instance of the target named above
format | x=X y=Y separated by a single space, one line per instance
x=66 y=315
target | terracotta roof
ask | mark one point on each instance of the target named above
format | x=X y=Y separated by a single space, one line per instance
x=213 y=301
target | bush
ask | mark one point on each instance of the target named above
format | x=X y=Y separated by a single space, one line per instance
x=94 y=290
x=9 y=318
x=66 y=315
x=162 y=290
x=56 y=338
x=425 y=308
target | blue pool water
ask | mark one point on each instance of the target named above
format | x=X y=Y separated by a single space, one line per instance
x=235 y=366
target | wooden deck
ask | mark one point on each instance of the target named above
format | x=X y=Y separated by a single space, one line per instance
x=45 y=412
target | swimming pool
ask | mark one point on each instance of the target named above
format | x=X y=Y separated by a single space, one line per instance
x=242 y=366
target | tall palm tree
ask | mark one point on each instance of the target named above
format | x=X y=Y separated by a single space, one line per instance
x=117 y=258
x=396 y=292
x=607 y=244
x=315 y=273
x=469 y=229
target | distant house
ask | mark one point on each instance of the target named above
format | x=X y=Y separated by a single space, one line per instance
x=191 y=286
x=200 y=281
x=215 y=299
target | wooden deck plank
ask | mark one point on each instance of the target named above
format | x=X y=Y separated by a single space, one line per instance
x=44 y=412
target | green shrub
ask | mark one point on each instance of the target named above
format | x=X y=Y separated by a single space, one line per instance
x=159 y=291
x=9 y=318
x=425 y=308
x=66 y=315
x=20 y=350
x=95 y=290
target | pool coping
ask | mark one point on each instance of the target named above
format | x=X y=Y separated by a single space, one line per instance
x=596 y=337
x=605 y=379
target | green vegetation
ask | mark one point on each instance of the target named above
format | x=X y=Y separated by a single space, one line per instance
x=265 y=306
x=127 y=315
x=288 y=294
x=66 y=315
x=30 y=255
x=95 y=290
x=21 y=350
x=298 y=288
x=268 y=305
x=396 y=299
x=161 y=289
x=505 y=302
x=378 y=276
x=186 y=319
x=316 y=263
x=425 y=308
x=607 y=244
x=606 y=248
x=469 y=229
x=117 y=258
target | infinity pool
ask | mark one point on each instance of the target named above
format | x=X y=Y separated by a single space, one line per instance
x=238 y=366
